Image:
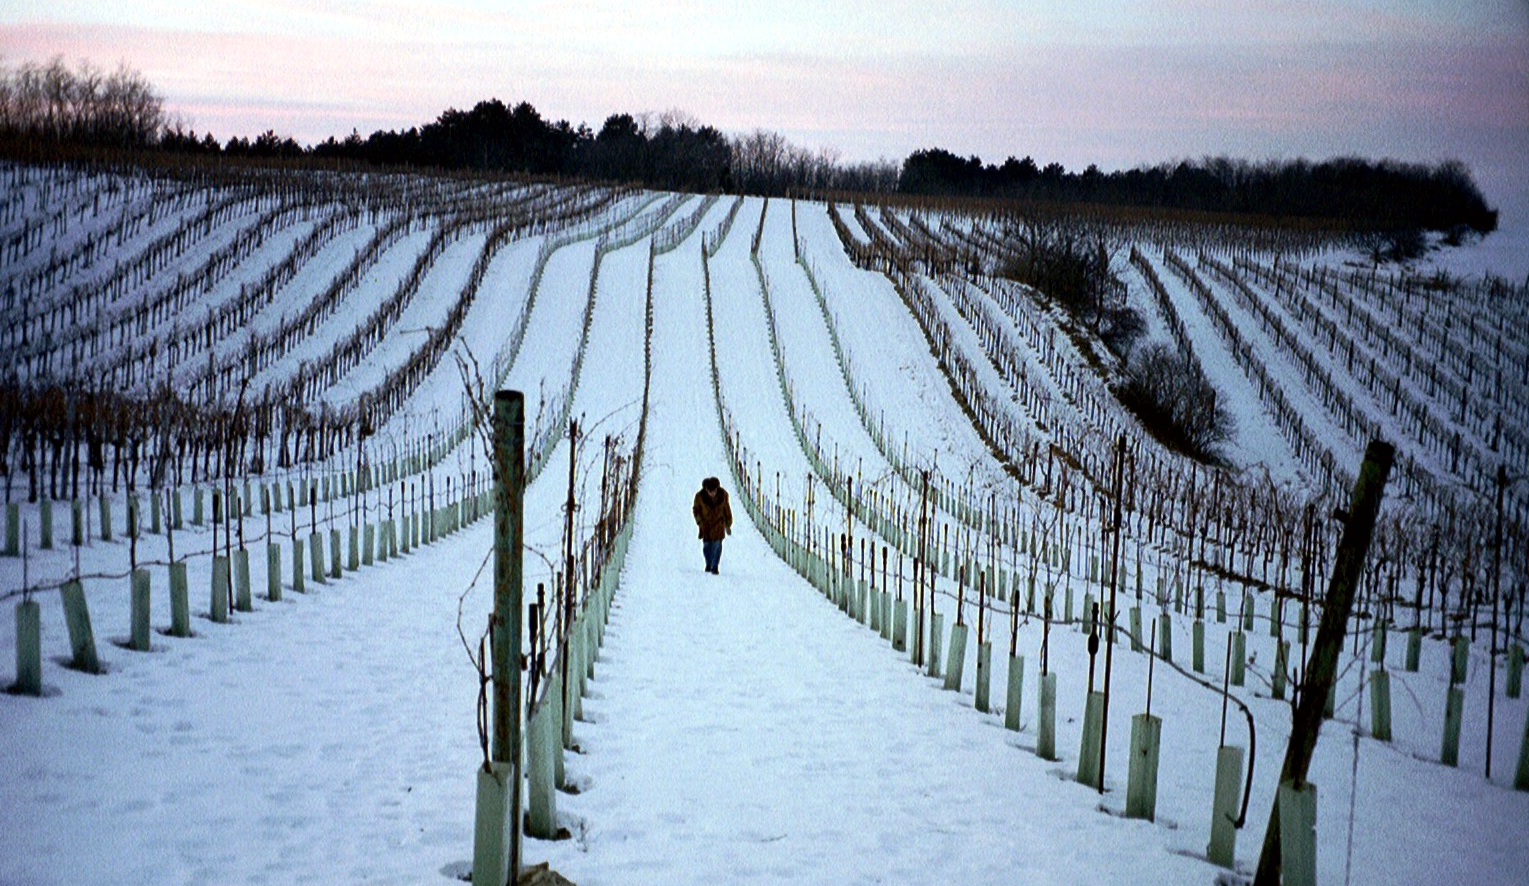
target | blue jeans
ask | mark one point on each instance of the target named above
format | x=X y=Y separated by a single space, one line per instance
x=713 y=552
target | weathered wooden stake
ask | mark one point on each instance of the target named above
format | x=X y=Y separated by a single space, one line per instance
x=1321 y=670
x=505 y=749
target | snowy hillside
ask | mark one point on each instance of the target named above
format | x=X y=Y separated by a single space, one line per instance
x=260 y=388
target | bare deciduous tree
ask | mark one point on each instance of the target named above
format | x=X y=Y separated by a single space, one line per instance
x=51 y=102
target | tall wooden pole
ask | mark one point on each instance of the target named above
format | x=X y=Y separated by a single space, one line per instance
x=569 y=587
x=1109 y=649
x=509 y=425
x=1321 y=670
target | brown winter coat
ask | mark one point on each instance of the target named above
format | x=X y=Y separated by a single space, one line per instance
x=713 y=515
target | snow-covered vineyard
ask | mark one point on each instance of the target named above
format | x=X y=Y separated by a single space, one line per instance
x=249 y=523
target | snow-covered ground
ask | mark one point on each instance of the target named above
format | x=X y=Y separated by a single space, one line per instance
x=739 y=728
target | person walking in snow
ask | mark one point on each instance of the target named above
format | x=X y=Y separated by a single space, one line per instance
x=714 y=519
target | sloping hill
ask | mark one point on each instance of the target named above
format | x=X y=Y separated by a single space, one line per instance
x=870 y=401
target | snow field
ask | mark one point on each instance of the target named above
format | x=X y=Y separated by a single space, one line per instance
x=738 y=728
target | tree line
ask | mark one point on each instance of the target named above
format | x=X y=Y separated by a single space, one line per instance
x=673 y=151
x=670 y=151
x=85 y=105
x=1378 y=195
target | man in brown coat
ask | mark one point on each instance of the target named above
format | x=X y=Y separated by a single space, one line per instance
x=714 y=519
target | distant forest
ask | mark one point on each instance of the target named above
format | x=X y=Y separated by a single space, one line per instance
x=1383 y=194
x=51 y=104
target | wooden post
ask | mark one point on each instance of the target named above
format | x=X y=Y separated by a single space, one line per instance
x=565 y=638
x=1321 y=670
x=1114 y=589
x=509 y=529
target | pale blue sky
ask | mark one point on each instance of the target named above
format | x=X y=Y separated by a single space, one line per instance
x=1079 y=81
